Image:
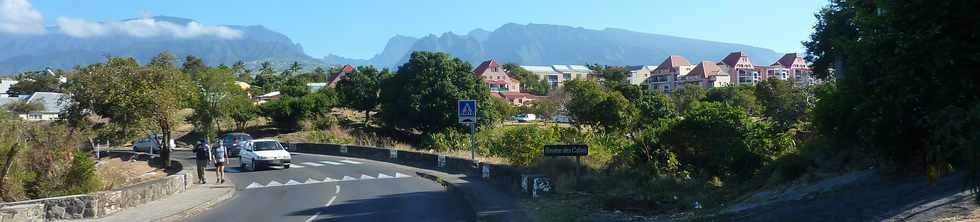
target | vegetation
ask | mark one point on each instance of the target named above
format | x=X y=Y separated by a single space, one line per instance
x=904 y=91
x=360 y=90
x=530 y=82
x=37 y=81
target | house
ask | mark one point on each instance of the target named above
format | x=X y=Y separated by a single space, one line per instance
x=547 y=73
x=316 y=86
x=5 y=86
x=799 y=71
x=51 y=105
x=516 y=98
x=267 y=97
x=741 y=70
x=336 y=77
x=496 y=77
x=640 y=74
x=570 y=72
x=707 y=74
x=666 y=75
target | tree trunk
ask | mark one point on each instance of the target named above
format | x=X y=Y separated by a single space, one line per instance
x=165 y=152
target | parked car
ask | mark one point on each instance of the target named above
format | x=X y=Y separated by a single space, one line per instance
x=234 y=142
x=561 y=119
x=525 y=117
x=150 y=144
x=262 y=153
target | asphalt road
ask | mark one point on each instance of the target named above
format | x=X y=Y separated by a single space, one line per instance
x=330 y=188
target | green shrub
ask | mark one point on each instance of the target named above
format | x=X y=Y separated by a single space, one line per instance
x=522 y=144
x=81 y=177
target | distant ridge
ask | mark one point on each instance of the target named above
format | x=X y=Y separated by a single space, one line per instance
x=540 y=44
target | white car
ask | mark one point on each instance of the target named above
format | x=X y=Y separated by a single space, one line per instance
x=150 y=144
x=562 y=119
x=262 y=153
x=525 y=118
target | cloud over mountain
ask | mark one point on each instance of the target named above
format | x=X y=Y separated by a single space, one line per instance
x=19 y=17
x=144 y=27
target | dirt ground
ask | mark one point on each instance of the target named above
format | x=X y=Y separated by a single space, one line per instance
x=121 y=171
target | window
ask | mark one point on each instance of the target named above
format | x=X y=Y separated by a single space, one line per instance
x=567 y=76
x=34 y=116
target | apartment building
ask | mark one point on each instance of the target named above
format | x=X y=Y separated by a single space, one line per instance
x=640 y=74
x=741 y=70
x=496 y=77
x=665 y=76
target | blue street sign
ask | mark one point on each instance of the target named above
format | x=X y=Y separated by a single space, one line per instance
x=466 y=110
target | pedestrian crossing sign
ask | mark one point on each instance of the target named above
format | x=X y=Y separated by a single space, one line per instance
x=466 y=110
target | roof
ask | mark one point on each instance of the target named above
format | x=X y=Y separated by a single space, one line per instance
x=265 y=140
x=243 y=85
x=540 y=69
x=486 y=65
x=637 y=68
x=673 y=62
x=580 y=68
x=571 y=68
x=734 y=58
x=8 y=100
x=347 y=69
x=514 y=95
x=271 y=94
x=52 y=102
x=706 y=69
x=6 y=84
x=790 y=59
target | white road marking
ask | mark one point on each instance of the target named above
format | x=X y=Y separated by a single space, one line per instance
x=254 y=185
x=296 y=166
x=314 y=164
x=311 y=181
x=314 y=216
x=331 y=163
x=331 y=201
x=338 y=189
x=348 y=178
x=400 y=175
x=293 y=182
x=383 y=176
x=274 y=184
x=350 y=162
x=366 y=177
x=328 y=179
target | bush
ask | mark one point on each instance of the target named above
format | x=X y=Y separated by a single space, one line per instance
x=448 y=140
x=522 y=144
x=331 y=135
x=81 y=177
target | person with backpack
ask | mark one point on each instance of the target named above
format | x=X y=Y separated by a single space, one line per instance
x=220 y=158
x=203 y=155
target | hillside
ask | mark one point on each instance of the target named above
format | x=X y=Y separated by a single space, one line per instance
x=539 y=44
x=59 y=50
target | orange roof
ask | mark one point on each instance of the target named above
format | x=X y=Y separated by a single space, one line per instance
x=734 y=58
x=706 y=69
x=347 y=69
x=672 y=62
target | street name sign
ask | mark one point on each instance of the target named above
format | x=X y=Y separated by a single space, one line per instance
x=566 y=150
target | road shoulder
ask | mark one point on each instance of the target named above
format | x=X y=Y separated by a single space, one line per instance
x=197 y=199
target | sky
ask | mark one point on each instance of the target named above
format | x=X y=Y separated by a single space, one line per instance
x=360 y=28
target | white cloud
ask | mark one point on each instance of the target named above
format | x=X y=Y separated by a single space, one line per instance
x=145 y=27
x=18 y=16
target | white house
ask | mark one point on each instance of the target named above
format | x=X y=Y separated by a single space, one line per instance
x=546 y=72
x=640 y=74
x=51 y=105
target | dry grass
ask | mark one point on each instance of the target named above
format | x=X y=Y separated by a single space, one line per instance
x=119 y=172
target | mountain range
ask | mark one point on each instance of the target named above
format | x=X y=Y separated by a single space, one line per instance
x=531 y=44
x=540 y=44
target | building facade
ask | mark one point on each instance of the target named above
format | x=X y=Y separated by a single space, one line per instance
x=665 y=76
x=640 y=75
x=741 y=70
x=496 y=77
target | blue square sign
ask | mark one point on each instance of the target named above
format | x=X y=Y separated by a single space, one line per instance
x=466 y=110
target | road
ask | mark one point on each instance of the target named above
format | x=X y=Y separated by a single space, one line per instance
x=330 y=188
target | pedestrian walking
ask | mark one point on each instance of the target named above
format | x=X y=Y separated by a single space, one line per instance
x=220 y=158
x=204 y=158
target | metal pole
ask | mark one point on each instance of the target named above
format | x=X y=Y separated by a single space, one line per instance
x=473 y=142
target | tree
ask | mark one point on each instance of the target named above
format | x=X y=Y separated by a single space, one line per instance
x=585 y=98
x=530 y=82
x=423 y=94
x=782 y=102
x=713 y=138
x=289 y=110
x=686 y=95
x=654 y=107
x=192 y=65
x=217 y=87
x=617 y=74
x=293 y=69
x=360 y=90
x=23 y=107
x=738 y=96
x=37 y=81
x=903 y=70
x=241 y=110
x=125 y=92
x=242 y=73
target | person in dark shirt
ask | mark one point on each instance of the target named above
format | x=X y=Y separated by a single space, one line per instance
x=203 y=155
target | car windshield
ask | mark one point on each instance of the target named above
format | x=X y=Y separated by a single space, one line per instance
x=267 y=145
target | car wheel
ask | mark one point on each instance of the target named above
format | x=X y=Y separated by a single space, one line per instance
x=253 y=166
x=286 y=166
x=241 y=164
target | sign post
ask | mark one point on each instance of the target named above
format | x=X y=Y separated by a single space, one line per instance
x=466 y=111
x=568 y=150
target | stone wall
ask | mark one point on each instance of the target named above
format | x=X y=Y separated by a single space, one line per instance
x=93 y=205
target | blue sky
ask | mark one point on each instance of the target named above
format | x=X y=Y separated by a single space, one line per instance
x=360 y=28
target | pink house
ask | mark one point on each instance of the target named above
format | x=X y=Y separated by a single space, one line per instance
x=740 y=68
x=496 y=77
x=336 y=77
